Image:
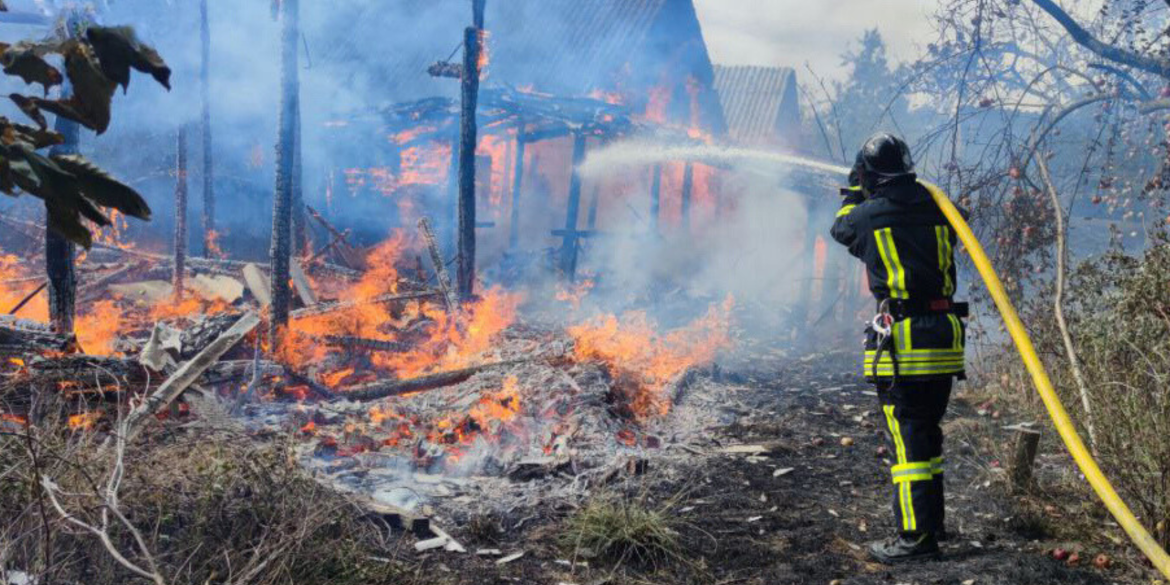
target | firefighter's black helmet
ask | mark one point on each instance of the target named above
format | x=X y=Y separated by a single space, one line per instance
x=886 y=156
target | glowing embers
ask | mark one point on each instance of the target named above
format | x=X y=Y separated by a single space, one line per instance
x=645 y=362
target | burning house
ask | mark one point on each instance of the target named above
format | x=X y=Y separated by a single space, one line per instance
x=560 y=79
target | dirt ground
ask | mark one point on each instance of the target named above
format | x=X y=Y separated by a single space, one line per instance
x=803 y=511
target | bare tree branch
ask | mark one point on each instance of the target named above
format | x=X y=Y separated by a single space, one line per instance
x=1087 y=40
x=1058 y=303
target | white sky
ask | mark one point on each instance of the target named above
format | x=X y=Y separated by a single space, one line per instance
x=793 y=32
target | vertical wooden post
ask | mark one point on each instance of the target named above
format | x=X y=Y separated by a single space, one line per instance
x=806 y=265
x=282 y=200
x=180 y=213
x=60 y=252
x=688 y=188
x=591 y=221
x=205 y=122
x=478 y=7
x=467 y=142
x=573 y=211
x=517 y=183
x=656 y=198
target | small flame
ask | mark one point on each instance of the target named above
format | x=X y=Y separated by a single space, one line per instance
x=575 y=293
x=85 y=421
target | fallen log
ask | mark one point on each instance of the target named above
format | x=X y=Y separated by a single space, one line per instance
x=187 y=374
x=386 y=389
x=326 y=308
x=16 y=340
x=78 y=374
x=351 y=342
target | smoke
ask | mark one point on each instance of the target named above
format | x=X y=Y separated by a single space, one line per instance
x=766 y=163
x=751 y=246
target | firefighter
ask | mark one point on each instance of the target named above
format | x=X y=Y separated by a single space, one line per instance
x=914 y=348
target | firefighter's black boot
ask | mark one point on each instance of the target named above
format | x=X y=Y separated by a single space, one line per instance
x=905 y=548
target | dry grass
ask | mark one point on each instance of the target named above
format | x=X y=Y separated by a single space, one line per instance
x=624 y=530
x=206 y=509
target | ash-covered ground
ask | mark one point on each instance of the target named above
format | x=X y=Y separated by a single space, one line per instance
x=771 y=468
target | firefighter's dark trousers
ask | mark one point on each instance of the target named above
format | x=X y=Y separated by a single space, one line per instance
x=913 y=410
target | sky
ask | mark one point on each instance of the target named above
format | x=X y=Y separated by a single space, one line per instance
x=793 y=32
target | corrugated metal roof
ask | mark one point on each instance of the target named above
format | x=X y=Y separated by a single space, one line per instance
x=759 y=103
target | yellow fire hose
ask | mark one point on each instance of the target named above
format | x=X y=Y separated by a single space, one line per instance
x=1137 y=533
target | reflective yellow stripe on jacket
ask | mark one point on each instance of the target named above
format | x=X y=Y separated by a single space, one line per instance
x=945 y=257
x=895 y=272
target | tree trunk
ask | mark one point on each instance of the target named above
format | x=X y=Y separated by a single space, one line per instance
x=209 y=235
x=180 y=212
x=282 y=199
x=59 y=252
x=467 y=142
x=688 y=188
x=517 y=183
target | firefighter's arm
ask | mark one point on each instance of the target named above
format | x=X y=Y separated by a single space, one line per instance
x=845 y=225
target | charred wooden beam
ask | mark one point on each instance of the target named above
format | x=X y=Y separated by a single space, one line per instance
x=78 y=373
x=180 y=266
x=468 y=133
x=324 y=309
x=188 y=373
x=580 y=234
x=517 y=183
x=559 y=131
x=18 y=340
x=28 y=298
x=351 y=342
x=282 y=201
x=209 y=234
x=348 y=254
x=379 y=390
x=444 y=281
x=569 y=247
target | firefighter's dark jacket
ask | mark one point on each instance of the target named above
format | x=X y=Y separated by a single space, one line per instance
x=908 y=250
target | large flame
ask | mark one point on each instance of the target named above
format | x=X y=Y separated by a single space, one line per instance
x=633 y=349
x=432 y=341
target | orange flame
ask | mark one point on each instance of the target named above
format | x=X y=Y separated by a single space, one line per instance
x=632 y=348
x=574 y=293
x=500 y=406
x=85 y=421
x=439 y=346
x=98 y=328
x=16 y=282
